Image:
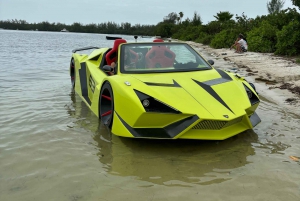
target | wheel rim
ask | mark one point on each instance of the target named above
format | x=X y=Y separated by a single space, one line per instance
x=107 y=106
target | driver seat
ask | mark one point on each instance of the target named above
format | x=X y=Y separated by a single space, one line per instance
x=112 y=55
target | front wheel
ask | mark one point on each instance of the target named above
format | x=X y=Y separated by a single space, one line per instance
x=106 y=108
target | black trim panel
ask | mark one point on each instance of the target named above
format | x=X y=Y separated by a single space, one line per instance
x=254 y=99
x=216 y=81
x=155 y=104
x=224 y=74
x=169 y=131
x=255 y=119
x=224 y=78
x=83 y=82
x=95 y=58
x=175 y=84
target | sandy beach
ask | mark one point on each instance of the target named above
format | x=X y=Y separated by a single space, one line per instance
x=276 y=78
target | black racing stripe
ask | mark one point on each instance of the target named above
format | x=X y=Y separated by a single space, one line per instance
x=224 y=78
x=224 y=74
x=175 y=84
x=169 y=131
x=213 y=93
x=216 y=81
x=83 y=82
x=95 y=58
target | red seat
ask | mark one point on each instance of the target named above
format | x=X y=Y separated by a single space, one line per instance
x=111 y=56
x=158 y=40
x=160 y=56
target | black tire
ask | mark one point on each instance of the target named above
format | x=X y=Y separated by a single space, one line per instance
x=72 y=73
x=106 y=105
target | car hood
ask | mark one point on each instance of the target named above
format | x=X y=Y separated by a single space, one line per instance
x=208 y=94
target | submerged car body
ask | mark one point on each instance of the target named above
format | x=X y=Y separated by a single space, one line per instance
x=163 y=90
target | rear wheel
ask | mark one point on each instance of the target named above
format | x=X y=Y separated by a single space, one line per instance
x=106 y=108
x=72 y=72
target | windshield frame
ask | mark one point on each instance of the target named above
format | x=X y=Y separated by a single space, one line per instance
x=174 y=70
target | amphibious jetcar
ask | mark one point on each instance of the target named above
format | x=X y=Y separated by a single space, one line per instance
x=162 y=90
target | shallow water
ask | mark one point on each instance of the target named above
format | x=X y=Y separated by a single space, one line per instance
x=53 y=148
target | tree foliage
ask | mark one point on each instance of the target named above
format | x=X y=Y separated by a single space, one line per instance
x=171 y=18
x=196 y=21
x=262 y=38
x=278 y=32
x=224 y=39
x=223 y=16
x=103 y=28
x=288 y=39
x=274 y=6
x=296 y=3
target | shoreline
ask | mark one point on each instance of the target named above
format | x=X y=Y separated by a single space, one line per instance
x=276 y=78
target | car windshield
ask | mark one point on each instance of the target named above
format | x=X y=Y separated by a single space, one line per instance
x=160 y=57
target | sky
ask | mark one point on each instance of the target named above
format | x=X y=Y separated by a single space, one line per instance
x=133 y=11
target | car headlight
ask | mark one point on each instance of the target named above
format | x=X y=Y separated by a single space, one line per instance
x=151 y=104
x=146 y=103
x=249 y=93
x=252 y=97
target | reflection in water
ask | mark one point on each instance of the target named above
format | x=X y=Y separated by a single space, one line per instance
x=173 y=162
x=167 y=162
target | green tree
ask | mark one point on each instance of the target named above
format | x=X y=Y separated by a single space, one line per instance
x=171 y=18
x=223 y=16
x=164 y=29
x=180 y=16
x=274 y=6
x=262 y=38
x=296 y=3
x=288 y=42
x=196 y=21
x=224 y=39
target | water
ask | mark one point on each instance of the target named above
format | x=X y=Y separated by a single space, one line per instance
x=53 y=148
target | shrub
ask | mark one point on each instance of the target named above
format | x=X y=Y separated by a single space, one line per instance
x=289 y=39
x=262 y=38
x=224 y=39
x=204 y=38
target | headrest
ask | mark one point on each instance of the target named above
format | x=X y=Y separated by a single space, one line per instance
x=158 y=40
x=117 y=43
x=111 y=56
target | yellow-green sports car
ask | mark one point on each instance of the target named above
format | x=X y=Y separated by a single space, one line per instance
x=162 y=90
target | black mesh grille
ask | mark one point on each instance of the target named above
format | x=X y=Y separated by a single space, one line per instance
x=216 y=125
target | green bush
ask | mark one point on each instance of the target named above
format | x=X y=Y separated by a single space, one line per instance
x=262 y=38
x=213 y=27
x=204 y=38
x=289 y=39
x=224 y=39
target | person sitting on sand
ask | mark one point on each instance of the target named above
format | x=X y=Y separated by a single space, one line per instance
x=240 y=44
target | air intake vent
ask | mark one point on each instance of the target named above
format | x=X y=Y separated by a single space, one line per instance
x=216 y=125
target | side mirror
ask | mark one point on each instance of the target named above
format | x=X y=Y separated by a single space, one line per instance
x=107 y=68
x=211 y=62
